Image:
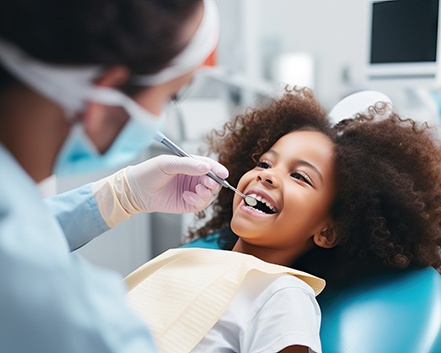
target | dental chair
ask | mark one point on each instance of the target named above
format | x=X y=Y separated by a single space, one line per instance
x=399 y=313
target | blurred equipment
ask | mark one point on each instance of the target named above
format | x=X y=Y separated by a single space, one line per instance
x=403 y=43
x=404 y=53
x=355 y=103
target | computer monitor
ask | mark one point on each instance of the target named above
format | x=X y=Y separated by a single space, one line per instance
x=404 y=45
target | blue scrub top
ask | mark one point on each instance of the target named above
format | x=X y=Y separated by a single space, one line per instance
x=51 y=300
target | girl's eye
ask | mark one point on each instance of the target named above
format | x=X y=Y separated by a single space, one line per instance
x=263 y=165
x=302 y=177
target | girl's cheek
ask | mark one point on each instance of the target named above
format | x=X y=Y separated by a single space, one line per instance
x=244 y=181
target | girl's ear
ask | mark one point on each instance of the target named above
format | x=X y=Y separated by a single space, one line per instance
x=327 y=238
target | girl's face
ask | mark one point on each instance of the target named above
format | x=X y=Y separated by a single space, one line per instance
x=295 y=182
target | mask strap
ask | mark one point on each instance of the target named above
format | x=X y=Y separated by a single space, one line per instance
x=61 y=84
x=109 y=96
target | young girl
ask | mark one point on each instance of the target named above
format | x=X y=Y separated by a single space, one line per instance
x=386 y=213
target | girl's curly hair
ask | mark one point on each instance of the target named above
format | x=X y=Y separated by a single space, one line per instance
x=387 y=211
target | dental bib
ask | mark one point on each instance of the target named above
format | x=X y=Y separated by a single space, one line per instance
x=182 y=293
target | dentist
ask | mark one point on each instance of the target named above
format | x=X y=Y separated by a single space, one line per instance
x=83 y=85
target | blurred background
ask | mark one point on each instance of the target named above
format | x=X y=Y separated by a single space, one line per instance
x=334 y=47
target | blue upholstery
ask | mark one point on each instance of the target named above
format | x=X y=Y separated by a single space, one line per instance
x=399 y=313
x=396 y=313
x=210 y=242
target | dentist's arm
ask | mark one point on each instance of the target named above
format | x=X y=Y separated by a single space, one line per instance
x=78 y=215
x=163 y=184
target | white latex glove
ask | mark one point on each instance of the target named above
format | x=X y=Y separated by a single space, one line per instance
x=174 y=184
x=165 y=183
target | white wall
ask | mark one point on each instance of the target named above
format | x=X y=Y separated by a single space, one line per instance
x=332 y=31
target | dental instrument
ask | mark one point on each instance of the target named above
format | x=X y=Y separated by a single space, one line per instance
x=161 y=138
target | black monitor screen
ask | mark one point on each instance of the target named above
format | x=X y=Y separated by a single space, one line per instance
x=404 y=31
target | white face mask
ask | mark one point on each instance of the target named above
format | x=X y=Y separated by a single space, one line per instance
x=71 y=87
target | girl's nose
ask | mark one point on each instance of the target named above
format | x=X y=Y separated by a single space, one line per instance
x=267 y=177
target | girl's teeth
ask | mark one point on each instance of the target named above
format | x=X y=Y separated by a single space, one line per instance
x=261 y=199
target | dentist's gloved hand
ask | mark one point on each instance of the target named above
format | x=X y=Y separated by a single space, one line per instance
x=174 y=184
x=165 y=183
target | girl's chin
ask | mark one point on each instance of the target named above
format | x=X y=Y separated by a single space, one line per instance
x=244 y=228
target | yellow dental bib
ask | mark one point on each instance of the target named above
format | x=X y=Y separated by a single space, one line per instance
x=182 y=293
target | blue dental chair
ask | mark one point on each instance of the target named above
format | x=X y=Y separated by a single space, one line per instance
x=398 y=313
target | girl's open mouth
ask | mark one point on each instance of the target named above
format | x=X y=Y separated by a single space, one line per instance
x=263 y=205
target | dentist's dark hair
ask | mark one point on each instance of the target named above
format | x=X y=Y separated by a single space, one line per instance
x=143 y=35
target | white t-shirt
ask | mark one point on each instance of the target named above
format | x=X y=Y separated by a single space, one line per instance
x=269 y=313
